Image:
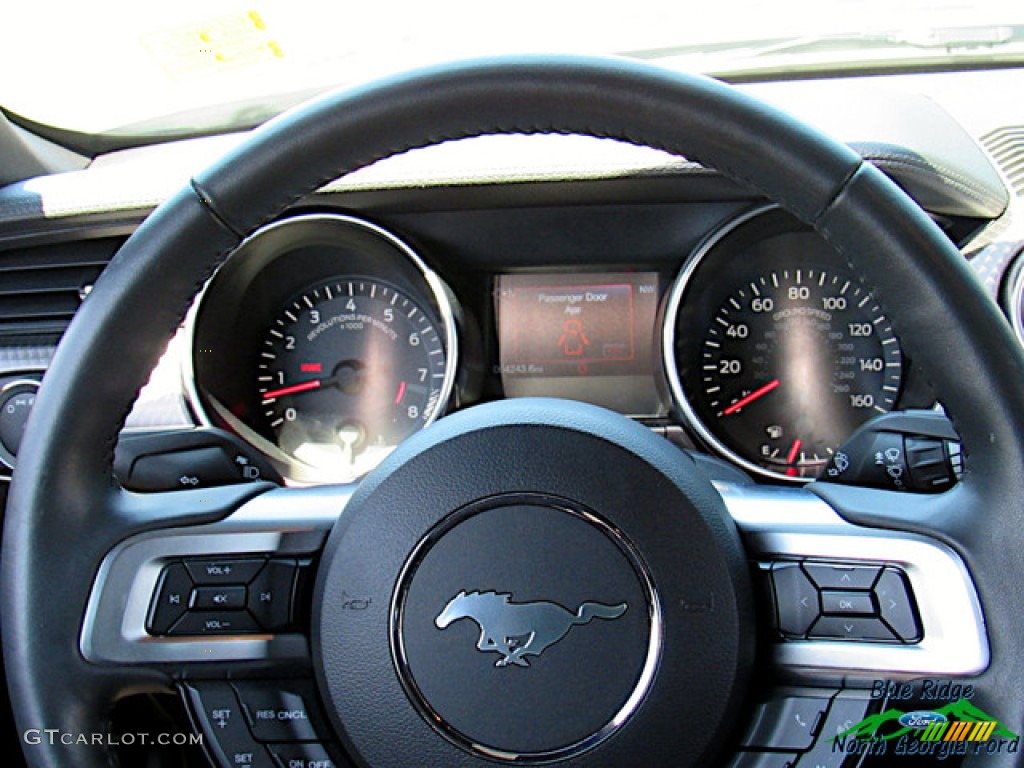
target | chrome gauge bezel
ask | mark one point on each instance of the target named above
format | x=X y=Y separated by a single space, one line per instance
x=1016 y=296
x=674 y=303
x=435 y=291
x=668 y=345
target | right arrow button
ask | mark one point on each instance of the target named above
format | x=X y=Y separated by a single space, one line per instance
x=897 y=605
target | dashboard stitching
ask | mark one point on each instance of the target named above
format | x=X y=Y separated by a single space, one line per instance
x=948 y=176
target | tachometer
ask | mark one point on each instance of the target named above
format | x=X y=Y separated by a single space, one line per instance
x=348 y=369
x=324 y=341
x=777 y=351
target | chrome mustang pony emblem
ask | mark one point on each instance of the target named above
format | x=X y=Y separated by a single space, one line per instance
x=518 y=630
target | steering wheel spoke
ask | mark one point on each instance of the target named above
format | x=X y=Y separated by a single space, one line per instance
x=220 y=608
x=856 y=603
x=858 y=620
x=210 y=591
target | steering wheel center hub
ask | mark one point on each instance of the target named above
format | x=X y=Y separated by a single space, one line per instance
x=529 y=599
x=525 y=580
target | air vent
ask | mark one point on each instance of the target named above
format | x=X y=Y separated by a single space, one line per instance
x=1006 y=145
x=41 y=287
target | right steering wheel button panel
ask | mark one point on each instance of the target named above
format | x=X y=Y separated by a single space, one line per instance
x=840 y=601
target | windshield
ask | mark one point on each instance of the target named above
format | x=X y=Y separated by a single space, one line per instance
x=125 y=67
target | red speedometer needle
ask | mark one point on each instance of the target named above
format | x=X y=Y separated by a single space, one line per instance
x=305 y=386
x=745 y=401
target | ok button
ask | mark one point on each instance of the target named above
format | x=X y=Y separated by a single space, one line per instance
x=837 y=603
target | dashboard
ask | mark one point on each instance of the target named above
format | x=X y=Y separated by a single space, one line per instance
x=512 y=266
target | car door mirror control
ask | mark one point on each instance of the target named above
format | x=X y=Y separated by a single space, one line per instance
x=229 y=596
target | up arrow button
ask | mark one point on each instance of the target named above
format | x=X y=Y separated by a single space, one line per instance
x=841 y=576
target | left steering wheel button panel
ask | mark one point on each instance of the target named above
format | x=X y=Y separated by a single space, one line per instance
x=203 y=597
x=227 y=738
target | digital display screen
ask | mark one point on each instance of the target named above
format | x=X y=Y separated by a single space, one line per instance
x=589 y=337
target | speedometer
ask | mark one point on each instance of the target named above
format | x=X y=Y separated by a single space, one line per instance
x=777 y=351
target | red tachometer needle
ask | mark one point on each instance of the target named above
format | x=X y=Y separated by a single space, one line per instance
x=745 y=401
x=305 y=386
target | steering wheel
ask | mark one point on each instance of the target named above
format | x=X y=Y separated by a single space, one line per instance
x=647 y=648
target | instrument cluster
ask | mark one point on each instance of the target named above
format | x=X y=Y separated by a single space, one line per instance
x=325 y=341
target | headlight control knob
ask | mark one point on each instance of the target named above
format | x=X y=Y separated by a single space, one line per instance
x=16 y=401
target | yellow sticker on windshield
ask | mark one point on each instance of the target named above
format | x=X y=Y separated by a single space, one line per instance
x=221 y=43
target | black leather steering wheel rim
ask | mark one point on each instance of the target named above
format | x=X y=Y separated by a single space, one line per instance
x=66 y=511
